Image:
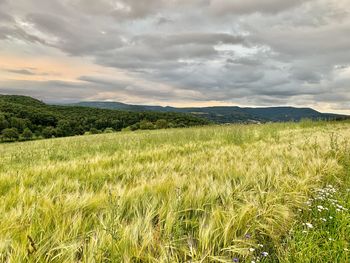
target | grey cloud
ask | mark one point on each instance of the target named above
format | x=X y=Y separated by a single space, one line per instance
x=8 y=32
x=47 y=90
x=253 y=6
x=306 y=75
x=162 y=52
x=124 y=9
x=29 y=71
x=190 y=38
x=251 y=51
x=128 y=88
x=20 y=71
x=5 y=17
x=307 y=42
x=244 y=61
x=148 y=57
x=49 y=23
x=163 y=20
x=83 y=39
x=135 y=9
x=104 y=82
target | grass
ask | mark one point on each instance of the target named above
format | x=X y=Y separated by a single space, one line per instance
x=210 y=194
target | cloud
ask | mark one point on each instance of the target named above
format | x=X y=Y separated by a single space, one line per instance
x=5 y=17
x=163 y=20
x=221 y=7
x=47 y=90
x=20 y=71
x=246 y=52
x=29 y=72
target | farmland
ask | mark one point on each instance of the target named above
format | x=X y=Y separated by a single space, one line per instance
x=235 y=193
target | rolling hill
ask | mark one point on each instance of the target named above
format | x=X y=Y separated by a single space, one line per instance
x=228 y=193
x=19 y=114
x=225 y=114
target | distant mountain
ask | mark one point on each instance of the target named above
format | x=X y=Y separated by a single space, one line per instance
x=225 y=114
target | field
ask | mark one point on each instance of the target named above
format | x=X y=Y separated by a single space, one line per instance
x=254 y=193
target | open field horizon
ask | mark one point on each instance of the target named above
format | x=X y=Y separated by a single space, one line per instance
x=242 y=193
x=172 y=131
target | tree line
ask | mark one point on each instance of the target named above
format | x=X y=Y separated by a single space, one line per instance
x=25 y=118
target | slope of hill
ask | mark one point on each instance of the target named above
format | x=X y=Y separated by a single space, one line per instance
x=226 y=114
x=21 y=113
x=22 y=100
x=235 y=193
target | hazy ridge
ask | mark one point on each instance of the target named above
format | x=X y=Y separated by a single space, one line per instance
x=225 y=114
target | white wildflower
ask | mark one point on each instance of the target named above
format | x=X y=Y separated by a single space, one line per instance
x=309 y=225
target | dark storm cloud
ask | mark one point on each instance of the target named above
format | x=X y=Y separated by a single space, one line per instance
x=250 y=51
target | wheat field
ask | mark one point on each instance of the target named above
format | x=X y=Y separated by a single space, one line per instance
x=236 y=193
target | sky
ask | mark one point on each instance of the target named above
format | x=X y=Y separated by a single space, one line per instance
x=178 y=52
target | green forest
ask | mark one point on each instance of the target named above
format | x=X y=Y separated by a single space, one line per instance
x=25 y=118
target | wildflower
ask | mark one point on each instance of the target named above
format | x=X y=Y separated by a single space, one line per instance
x=331 y=239
x=304 y=231
x=331 y=217
x=264 y=254
x=260 y=245
x=309 y=225
x=252 y=261
x=323 y=219
x=247 y=236
x=345 y=249
x=251 y=249
x=320 y=207
x=235 y=260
